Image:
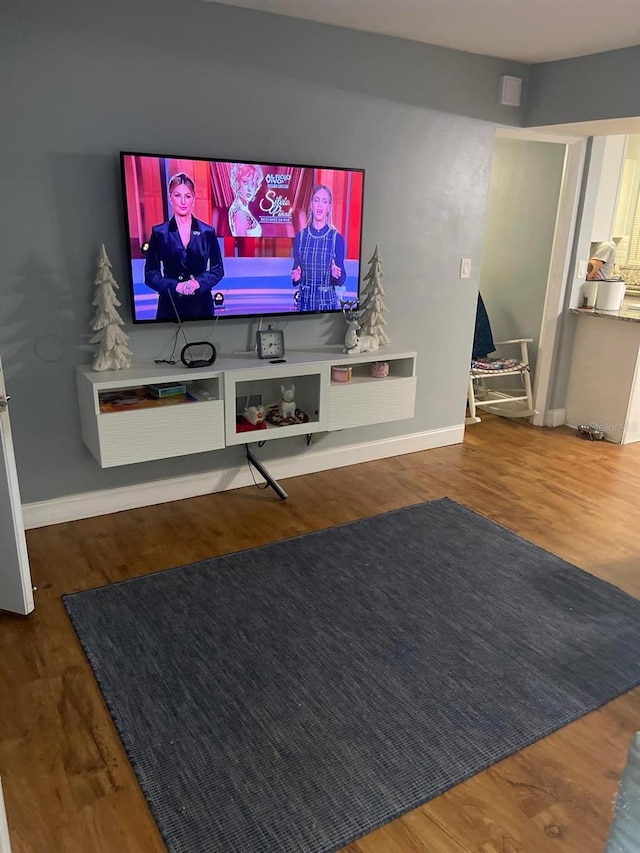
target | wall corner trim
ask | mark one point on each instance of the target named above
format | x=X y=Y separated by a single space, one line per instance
x=90 y=504
x=555 y=417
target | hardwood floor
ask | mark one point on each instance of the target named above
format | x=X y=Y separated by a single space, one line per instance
x=67 y=782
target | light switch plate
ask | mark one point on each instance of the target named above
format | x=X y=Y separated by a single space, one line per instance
x=465 y=268
x=582 y=270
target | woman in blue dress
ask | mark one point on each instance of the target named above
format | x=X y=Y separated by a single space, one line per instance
x=318 y=256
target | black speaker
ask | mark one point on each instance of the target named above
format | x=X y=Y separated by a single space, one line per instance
x=206 y=358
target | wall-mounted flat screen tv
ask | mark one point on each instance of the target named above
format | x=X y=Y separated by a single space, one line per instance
x=222 y=238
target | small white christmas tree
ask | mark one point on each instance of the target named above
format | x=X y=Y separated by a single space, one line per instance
x=372 y=306
x=113 y=352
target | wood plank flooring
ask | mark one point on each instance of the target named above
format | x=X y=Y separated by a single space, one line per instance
x=67 y=782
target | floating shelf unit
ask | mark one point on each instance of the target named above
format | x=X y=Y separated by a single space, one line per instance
x=121 y=426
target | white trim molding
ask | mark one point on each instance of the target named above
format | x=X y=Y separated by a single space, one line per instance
x=89 y=504
x=558 y=279
x=5 y=841
x=555 y=417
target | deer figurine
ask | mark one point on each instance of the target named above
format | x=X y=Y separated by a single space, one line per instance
x=353 y=326
x=353 y=342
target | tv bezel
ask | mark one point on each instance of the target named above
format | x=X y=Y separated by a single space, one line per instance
x=216 y=316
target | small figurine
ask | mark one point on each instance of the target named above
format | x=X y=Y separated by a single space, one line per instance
x=353 y=342
x=255 y=414
x=287 y=404
x=353 y=326
x=366 y=343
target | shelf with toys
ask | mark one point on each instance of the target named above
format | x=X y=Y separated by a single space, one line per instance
x=290 y=399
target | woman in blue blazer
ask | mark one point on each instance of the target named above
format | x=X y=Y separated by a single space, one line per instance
x=183 y=261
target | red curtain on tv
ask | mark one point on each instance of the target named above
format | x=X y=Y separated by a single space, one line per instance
x=148 y=202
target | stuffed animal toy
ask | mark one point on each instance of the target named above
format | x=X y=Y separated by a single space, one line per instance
x=255 y=414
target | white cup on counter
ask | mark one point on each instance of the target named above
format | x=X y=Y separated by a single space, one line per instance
x=610 y=295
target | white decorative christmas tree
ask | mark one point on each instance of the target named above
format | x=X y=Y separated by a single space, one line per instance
x=113 y=352
x=372 y=306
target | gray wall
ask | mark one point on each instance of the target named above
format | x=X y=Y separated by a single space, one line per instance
x=85 y=79
x=589 y=88
x=88 y=79
x=522 y=205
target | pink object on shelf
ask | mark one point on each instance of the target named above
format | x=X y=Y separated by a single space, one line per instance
x=340 y=373
x=380 y=369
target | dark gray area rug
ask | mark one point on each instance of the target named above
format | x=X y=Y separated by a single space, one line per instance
x=293 y=697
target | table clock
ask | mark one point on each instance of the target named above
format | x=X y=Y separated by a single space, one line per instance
x=270 y=343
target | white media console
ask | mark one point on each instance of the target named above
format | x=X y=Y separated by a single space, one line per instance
x=209 y=422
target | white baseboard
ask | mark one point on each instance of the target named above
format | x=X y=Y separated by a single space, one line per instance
x=5 y=842
x=89 y=504
x=555 y=417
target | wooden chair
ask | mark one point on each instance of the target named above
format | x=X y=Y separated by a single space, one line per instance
x=488 y=389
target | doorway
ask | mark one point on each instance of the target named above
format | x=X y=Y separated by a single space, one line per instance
x=527 y=258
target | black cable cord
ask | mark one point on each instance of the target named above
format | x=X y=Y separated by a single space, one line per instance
x=213 y=327
x=186 y=340
x=253 y=476
x=171 y=359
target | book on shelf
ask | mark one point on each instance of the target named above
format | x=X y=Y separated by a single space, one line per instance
x=166 y=389
x=138 y=398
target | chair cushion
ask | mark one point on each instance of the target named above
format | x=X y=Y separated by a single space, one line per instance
x=624 y=834
x=494 y=365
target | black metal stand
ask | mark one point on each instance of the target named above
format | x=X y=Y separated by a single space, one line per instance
x=277 y=488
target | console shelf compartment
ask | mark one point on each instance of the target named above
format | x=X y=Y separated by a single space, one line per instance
x=141 y=432
x=366 y=399
x=263 y=385
x=206 y=419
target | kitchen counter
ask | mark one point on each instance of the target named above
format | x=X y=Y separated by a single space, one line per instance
x=604 y=379
x=630 y=311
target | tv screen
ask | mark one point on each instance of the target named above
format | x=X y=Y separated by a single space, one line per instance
x=221 y=238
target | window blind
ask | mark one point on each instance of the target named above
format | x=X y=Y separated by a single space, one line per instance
x=633 y=259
